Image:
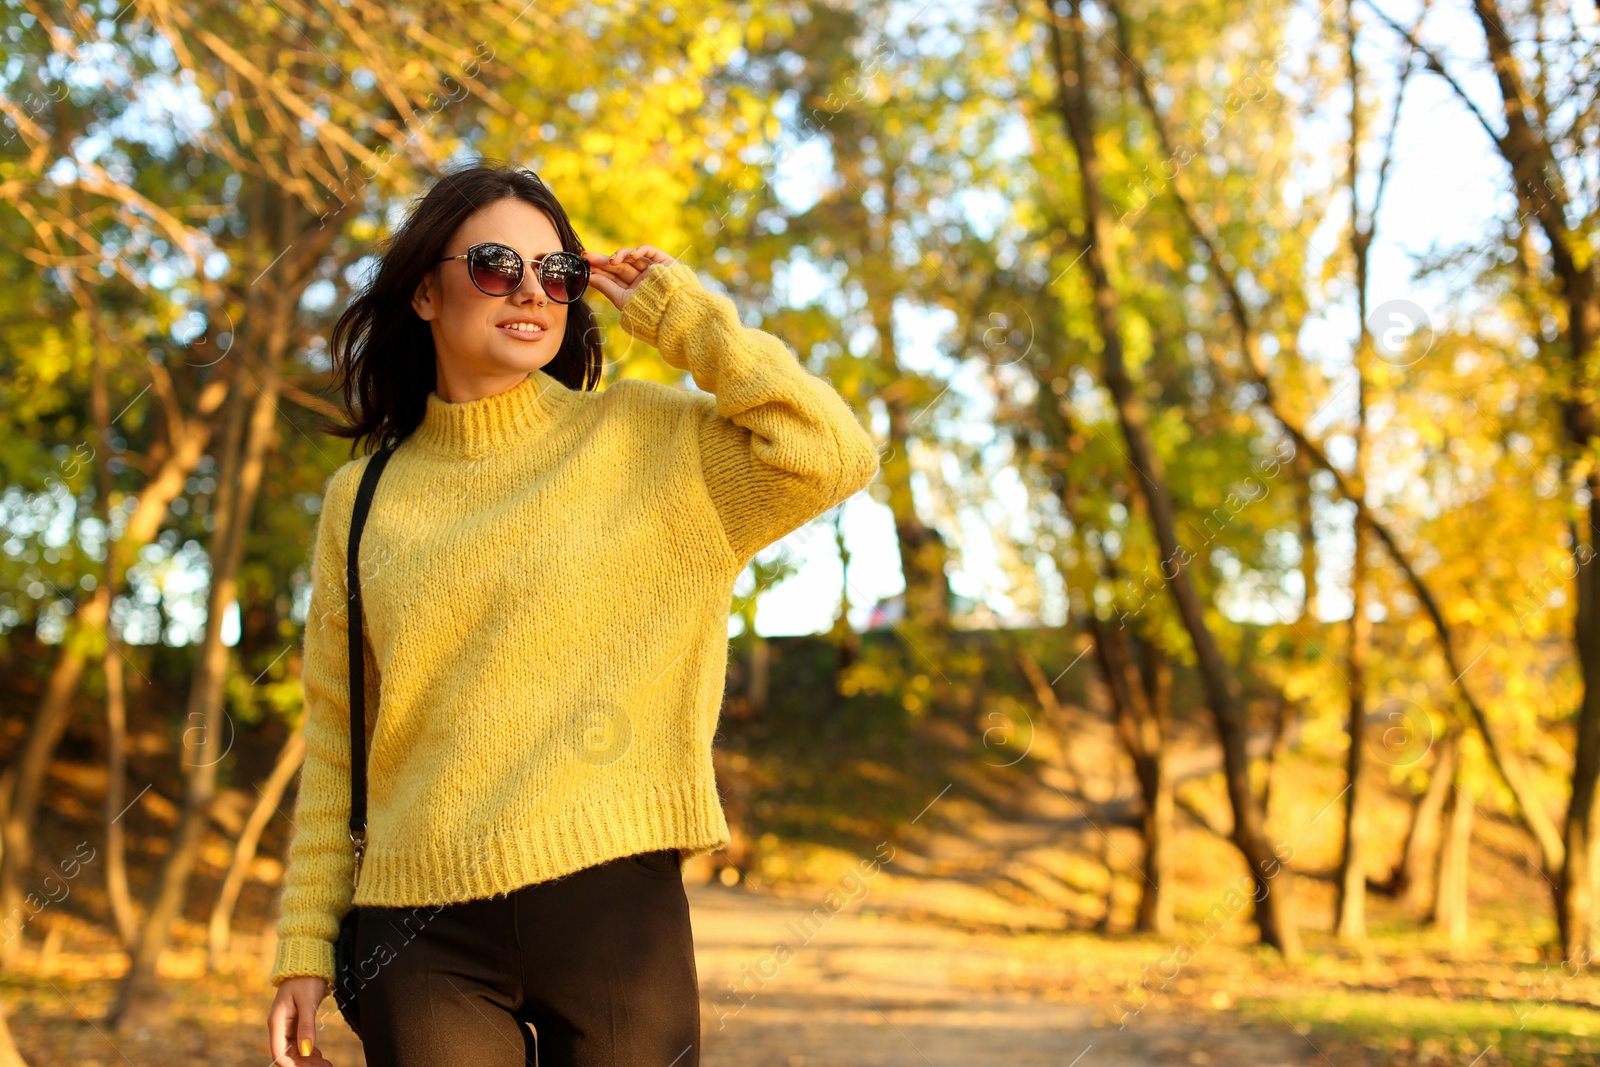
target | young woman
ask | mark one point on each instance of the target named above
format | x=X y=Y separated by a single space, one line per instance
x=545 y=572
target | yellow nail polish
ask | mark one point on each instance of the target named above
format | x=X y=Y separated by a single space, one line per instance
x=305 y=1046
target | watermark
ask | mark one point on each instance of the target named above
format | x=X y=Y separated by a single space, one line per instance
x=197 y=737
x=855 y=84
x=1542 y=597
x=35 y=103
x=56 y=889
x=1254 y=489
x=600 y=730
x=1252 y=88
x=1006 y=729
x=1003 y=336
x=366 y=969
x=1402 y=332
x=351 y=182
x=852 y=889
x=1221 y=914
x=1407 y=736
x=200 y=328
x=1579 y=959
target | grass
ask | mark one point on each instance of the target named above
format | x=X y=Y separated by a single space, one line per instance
x=1425 y=1030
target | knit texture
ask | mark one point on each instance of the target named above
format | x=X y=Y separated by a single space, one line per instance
x=546 y=576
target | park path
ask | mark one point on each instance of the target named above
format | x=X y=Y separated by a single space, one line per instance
x=880 y=990
x=866 y=988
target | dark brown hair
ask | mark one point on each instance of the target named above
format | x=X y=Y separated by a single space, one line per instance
x=382 y=350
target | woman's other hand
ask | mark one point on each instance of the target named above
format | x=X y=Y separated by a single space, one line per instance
x=292 y=1023
x=619 y=274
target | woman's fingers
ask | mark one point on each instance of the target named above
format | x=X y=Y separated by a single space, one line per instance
x=282 y=1029
x=306 y=1022
x=618 y=274
x=642 y=257
x=609 y=287
x=626 y=264
x=279 y=1024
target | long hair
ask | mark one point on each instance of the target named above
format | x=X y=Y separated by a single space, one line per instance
x=382 y=350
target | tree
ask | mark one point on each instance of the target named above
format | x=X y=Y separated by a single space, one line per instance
x=1274 y=894
x=1545 y=112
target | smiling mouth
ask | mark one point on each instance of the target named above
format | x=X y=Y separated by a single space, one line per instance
x=523 y=332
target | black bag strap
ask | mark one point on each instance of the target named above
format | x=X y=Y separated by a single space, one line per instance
x=357 y=660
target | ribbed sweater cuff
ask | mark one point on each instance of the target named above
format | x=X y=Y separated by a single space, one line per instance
x=641 y=315
x=303 y=956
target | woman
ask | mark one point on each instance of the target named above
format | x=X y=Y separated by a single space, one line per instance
x=546 y=572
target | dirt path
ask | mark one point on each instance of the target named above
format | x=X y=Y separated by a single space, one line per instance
x=855 y=988
x=885 y=991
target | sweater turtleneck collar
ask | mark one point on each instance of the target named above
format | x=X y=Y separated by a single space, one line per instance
x=476 y=428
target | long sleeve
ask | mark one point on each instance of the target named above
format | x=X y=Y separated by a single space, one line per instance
x=317 y=884
x=779 y=446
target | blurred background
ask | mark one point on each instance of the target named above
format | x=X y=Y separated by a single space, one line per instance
x=1210 y=676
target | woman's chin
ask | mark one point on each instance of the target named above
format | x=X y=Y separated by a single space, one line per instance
x=522 y=356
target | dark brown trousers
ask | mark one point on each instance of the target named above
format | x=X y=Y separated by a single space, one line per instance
x=593 y=969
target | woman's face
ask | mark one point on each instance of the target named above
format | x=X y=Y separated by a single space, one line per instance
x=471 y=334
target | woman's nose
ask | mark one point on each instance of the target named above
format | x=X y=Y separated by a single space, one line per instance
x=530 y=283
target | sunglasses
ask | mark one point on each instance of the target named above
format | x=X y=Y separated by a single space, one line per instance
x=497 y=270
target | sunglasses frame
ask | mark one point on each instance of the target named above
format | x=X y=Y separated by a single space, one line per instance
x=537 y=261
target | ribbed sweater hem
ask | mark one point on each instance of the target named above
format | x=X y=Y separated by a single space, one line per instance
x=675 y=816
x=593 y=830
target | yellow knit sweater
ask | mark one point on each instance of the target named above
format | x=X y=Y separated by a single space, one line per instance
x=546 y=577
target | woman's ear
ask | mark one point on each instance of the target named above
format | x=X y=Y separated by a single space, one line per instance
x=426 y=299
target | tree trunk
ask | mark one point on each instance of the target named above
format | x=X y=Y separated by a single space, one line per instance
x=140 y=1000
x=32 y=763
x=1351 y=923
x=923 y=553
x=1577 y=910
x=1141 y=697
x=1156 y=790
x=1273 y=881
x=1108 y=900
x=117 y=894
x=1139 y=702
x=1351 y=907
x=9 y=1056
x=1412 y=881
x=1283 y=721
x=244 y=851
x=760 y=667
x=846 y=642
x=1450 y=902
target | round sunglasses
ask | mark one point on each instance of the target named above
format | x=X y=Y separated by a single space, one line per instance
x=497 y=270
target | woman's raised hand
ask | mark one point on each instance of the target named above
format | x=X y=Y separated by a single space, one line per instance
x=620 y=273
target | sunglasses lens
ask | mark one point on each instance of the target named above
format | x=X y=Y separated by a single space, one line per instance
x=564 y=276
x=496 y=269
